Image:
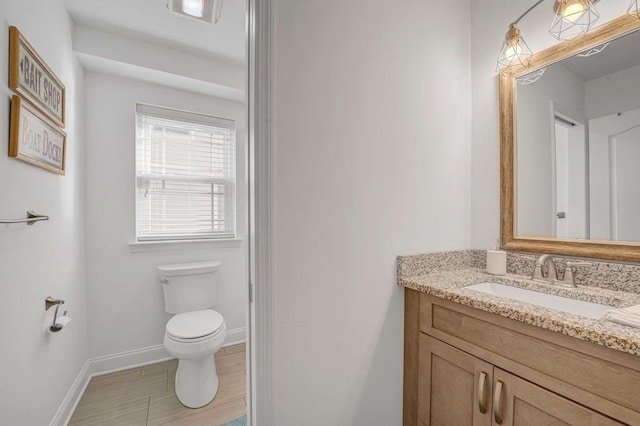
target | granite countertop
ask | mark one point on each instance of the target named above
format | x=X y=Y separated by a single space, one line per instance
x=450 y=284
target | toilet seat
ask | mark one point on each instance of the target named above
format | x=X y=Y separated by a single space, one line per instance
x=192 y=327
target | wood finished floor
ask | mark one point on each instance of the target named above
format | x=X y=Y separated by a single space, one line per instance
x=145 y=396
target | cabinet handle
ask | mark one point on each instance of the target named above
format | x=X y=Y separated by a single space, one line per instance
x=497 y=403
x=482 y=393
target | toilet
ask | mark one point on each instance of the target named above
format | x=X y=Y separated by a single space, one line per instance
x=195 y=332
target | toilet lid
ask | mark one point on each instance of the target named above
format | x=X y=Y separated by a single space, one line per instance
x=192 y=325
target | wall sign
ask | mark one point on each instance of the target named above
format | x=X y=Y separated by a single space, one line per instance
x=36 y=139
x=31 y=78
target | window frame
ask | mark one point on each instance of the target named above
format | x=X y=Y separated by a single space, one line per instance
x=231 y=186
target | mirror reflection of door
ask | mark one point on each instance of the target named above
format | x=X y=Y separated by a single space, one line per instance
x=577 y=147
x=615 y=179
x=571 y=209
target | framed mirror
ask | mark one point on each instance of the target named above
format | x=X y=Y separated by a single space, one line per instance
x=570 y=147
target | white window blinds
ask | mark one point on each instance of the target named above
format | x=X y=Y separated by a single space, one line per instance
x=185 y=175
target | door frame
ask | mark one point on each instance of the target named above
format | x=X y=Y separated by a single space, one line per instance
x=261 y=158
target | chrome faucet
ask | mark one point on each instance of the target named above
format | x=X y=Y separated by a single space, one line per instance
x=546 y=272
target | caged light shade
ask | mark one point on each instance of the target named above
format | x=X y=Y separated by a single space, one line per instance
x=634 y=8
x=532 y=77
x=573 y=17
x=514 y=53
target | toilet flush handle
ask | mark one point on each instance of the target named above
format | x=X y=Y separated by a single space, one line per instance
x=164 y=281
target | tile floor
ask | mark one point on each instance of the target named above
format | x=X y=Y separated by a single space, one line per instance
x=145 y=396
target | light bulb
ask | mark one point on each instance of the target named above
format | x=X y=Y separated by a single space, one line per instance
x=573 y=12
x=193 y=7
x=513 y=52
x=573 y=18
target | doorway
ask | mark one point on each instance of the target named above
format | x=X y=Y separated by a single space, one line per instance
x=571 y=178
x=163 y=109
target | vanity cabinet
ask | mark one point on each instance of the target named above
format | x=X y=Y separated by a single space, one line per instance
x=518 y=402
x=456 y=388
x=464 y=366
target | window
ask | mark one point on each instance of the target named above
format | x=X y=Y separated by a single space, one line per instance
x=185 y=175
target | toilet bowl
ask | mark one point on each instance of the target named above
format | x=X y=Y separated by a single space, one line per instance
x=194 y=338
x=195 y=332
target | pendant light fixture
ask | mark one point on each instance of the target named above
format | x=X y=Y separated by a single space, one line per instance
x=634 y=8
x=514 y=53
x=573 y=18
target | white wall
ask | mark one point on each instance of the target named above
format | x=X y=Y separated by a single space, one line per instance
x=37 y=368
x=614 y=93
x=154 y=56
x=372 y=128
x=113 y=53
x=126 y=308
x=490 y=20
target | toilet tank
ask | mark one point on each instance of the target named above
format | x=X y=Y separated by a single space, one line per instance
x=189 y=287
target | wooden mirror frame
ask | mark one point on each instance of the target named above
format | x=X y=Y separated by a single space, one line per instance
x=623 y=251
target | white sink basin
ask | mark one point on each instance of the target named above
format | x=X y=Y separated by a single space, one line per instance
x=559 y=303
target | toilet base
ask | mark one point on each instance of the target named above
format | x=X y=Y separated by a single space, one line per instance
x=196 y=381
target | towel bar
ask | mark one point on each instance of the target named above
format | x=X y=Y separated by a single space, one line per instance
x=32 y=217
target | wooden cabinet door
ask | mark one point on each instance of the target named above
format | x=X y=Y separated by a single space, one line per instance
x=454 y=388
x=517 y=402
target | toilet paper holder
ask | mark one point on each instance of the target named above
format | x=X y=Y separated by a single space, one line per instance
x=50 y=302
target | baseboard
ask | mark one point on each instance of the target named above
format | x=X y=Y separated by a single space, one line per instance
x=145 y=356
x=235 y=336
x=70 y=401
x=125 y=360
x=117 y=362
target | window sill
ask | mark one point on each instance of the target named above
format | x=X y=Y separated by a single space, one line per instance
x=149 y=246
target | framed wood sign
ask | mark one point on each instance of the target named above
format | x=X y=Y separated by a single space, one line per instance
x=36 y=139
x=31 y=78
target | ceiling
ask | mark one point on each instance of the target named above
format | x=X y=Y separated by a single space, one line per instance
x=150 y=20
x=621 y=54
